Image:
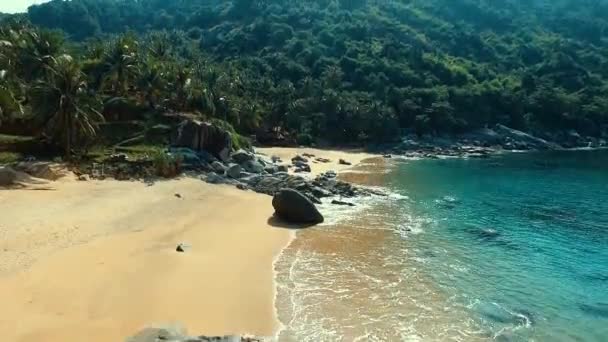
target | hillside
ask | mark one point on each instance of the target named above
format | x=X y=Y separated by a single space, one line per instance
x=356 y=70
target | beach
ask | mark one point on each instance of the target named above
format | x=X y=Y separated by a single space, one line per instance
x=97 y=260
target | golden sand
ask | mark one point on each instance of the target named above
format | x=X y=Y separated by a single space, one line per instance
x=96 y=261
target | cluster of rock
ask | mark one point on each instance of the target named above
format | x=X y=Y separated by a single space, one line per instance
x=483 y=142
x=180 y=335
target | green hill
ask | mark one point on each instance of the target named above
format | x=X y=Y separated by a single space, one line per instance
x=357 y=70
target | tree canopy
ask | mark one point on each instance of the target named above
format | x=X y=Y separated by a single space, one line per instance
x=348 y=70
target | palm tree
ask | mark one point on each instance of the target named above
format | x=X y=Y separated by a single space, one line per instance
x=62 y=102
x=120 y=65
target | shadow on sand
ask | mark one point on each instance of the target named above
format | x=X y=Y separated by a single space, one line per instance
x=277 y=222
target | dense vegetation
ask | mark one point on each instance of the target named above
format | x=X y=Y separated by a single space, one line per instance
x=341 y=70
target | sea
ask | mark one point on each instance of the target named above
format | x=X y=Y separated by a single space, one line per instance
x=509 y=248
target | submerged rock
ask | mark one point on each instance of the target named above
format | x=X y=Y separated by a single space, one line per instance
x=342 y=203
x=293 y=207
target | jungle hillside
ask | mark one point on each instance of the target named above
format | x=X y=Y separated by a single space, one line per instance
x=336 y=71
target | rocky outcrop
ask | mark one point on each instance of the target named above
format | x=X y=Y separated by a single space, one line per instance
x=172 y=334
x=521 y=140
x=293 y=207
x=8 y=176
x=203 y=136
x=43 y=170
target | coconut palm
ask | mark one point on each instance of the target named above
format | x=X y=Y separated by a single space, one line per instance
x=120 y=65
x=61 y=100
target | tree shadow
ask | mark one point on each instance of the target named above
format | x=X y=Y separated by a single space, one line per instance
x=277 y=222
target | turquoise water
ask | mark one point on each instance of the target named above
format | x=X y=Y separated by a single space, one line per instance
x=511 y=248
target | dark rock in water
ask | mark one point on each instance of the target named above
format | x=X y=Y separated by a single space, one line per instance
x=320 y=192
x=178 y=195
x=323 y=160
x=282 y=168
x=234 y=171
x=500 y=315
x=344 y=162
x=388 y=156
x=242 y=156
x=203 y=136
x=308 y=155
x=241 y=186
x=218 y=167
x=599 y=310
x=299 y=158
x=275 y=159
x=292 y=206
x=342 y=203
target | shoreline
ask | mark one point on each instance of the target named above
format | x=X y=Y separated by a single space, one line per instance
x=98 y=258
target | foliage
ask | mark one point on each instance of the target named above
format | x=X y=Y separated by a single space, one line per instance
x=341 y=71
x=166 y=165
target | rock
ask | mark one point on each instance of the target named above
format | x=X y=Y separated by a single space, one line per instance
x=344 y=162
x=188 y=156
x=522 y=140
x=271 y=169
x=320 y=192
x=299 y=158
x=178 y=195
x=302 y=167
x=323 y=160
x=218 y=167
x=43 y=170
x=180 y=335
x=275 y=159
x=282 y=168
x=234 y=171
x=182 y=247
x=388 y=156
x=242 y=156
x=241 y=186
x=83 y=178
x=292 y=206
x=203 y=136
x=253 y=166
x=214 y=178
x=308 y=155
x=8 y=176
x=342 y=203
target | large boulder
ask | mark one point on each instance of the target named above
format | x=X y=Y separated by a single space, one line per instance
x=242 y=156
x=293 y=207
x=203 y=136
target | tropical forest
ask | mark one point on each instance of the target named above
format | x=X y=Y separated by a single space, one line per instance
x=335 y=72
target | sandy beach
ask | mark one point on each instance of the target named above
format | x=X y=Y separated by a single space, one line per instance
x=96 y=261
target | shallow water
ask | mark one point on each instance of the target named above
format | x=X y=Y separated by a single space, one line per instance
x=512 y=248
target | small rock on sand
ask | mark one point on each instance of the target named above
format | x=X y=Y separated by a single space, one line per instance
x=344 y=162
